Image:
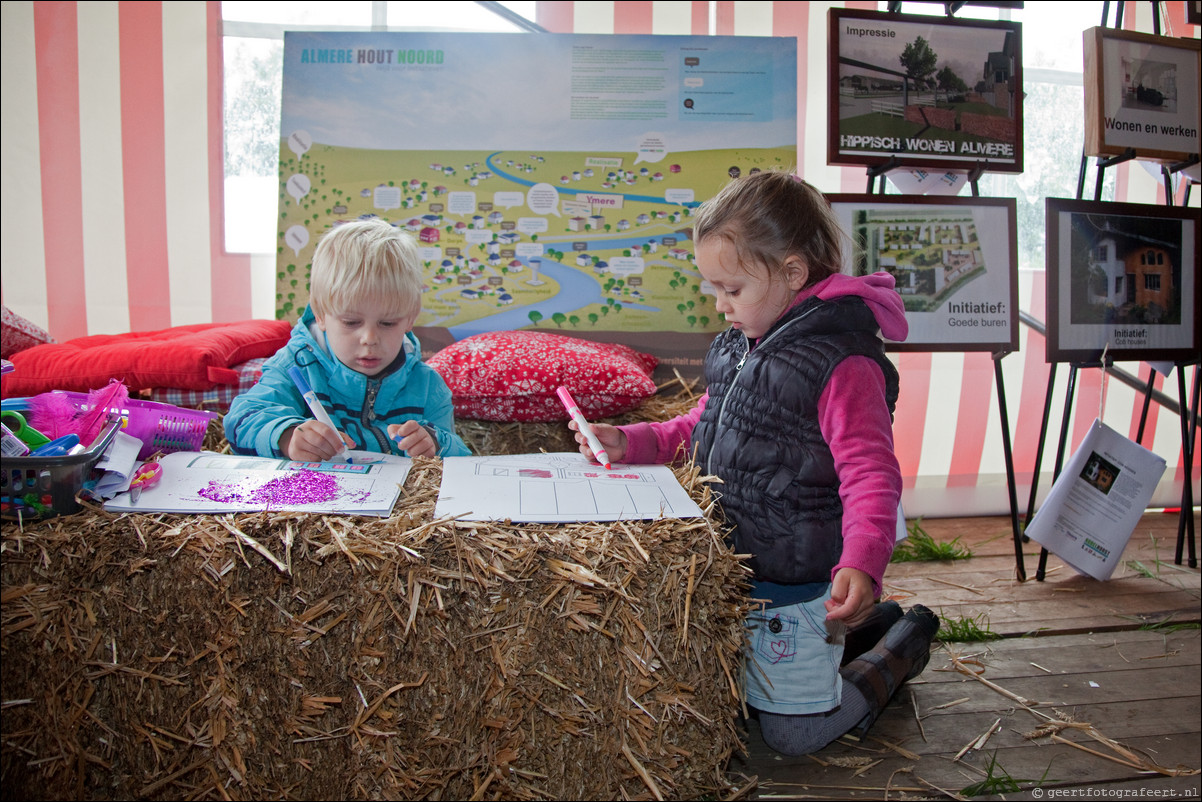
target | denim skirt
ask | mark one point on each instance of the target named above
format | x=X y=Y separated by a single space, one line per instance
x=792 y=664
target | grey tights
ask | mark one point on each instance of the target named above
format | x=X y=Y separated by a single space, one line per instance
x=801 y=735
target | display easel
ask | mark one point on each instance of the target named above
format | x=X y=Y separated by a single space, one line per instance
x=1188 y=413
x=973 y=178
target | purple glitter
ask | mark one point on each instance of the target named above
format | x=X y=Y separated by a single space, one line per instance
x=302 y=487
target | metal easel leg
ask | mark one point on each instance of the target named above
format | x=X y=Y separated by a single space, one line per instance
x=1019 y=563
x=1068 y=409
x=1143 y=415
x=1043 y=435
x=1189 y=429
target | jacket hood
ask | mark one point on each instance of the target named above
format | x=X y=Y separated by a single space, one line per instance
x=877 y=290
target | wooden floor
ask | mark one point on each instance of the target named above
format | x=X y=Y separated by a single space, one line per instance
x=1112 y=667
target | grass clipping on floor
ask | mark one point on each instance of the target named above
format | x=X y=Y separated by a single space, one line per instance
x=274 y=655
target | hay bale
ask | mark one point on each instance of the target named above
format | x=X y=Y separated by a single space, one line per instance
x=275 y=655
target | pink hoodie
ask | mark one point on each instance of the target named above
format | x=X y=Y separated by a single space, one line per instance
x=854 y=419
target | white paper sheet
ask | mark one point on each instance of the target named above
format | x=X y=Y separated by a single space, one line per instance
x=206 y=482
x=558 y=488
x=917 y=181
x=118 y=464
x=1096 y=501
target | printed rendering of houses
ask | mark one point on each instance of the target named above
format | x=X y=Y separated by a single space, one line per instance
x=1132 y=270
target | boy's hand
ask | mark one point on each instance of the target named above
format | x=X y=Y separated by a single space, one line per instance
x=413 y=438
x=312 y=441
x=851 y=596
x=611 y=437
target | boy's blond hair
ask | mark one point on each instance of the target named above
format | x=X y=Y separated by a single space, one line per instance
x=366 y=259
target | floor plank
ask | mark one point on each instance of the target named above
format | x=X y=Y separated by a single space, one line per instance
x=1123 y=656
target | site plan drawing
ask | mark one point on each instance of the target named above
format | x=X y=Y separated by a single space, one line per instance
x=930 y=255
x=558 y=488
x=953 y=261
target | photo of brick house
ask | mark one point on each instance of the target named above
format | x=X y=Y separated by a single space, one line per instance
x=1126 y=270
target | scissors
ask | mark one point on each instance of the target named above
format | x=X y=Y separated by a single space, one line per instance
x=147 y=476
x=28 y=435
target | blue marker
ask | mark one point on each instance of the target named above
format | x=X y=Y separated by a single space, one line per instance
x=55 y=448
x=319 y=412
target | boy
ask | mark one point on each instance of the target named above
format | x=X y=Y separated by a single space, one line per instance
x=356 y=347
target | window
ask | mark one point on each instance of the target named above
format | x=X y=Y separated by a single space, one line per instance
x=1152 y=282
x=1053 y=113
x=253 y=44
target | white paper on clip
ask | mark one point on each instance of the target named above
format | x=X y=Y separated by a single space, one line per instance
x=928 y=182
x=1096 y=501
x=1163 y=368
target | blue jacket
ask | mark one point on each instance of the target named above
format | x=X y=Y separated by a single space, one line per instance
x=362 y=406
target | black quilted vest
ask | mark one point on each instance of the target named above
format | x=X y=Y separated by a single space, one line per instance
x=759 y=433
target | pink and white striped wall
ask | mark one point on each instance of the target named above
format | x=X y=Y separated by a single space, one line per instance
x=112 y=168
x=112 y=215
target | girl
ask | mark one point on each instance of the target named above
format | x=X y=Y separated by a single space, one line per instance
x=797 y=423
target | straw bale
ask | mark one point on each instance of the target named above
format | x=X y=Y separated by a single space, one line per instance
x=274 y=655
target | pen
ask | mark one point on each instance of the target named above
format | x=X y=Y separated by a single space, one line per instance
x=56 y=448
x=593 y=443
x=315 y=406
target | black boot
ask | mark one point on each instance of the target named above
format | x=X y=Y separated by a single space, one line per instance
x=899 y=656
x=859 y=640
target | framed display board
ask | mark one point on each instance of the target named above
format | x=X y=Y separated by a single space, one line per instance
x=1141 y=92
x=955 y=262
x=1122 y=277
x=930 y=91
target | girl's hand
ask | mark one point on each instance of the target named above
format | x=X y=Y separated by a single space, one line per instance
x=612 y=438
x=851 y=596
x=413 y=438
x=312 y=441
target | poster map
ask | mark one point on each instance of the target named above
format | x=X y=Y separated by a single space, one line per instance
x=549 y=180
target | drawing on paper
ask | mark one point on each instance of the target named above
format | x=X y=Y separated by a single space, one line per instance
x=559 y=487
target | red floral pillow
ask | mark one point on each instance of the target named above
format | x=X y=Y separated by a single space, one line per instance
x=18 y=334
x=513 y=375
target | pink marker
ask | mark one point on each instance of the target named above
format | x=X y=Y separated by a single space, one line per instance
x=593 y=443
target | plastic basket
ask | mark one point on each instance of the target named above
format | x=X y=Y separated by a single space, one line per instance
x=43 y=487
x=160 y=427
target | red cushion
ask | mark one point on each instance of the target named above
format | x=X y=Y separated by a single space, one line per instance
x=18 y=334
x=196 y=357
x=513 y=375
